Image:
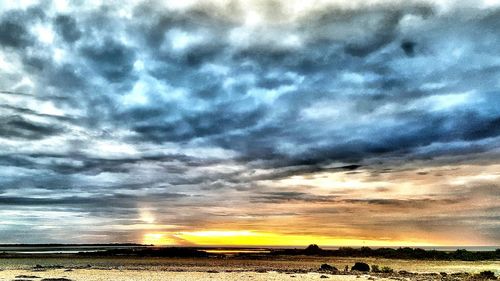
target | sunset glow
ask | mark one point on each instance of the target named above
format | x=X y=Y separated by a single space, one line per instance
x=252 y=238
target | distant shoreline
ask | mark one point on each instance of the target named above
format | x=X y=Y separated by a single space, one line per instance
x=436 y=248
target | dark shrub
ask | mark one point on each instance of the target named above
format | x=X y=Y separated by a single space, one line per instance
x=313 y=249
x=375 y=268
x=361 y=266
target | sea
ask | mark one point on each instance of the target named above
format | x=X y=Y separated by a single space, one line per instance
x=73 y=249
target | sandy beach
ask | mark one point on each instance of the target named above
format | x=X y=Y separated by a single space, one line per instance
x=153 y=275
x=285 y=268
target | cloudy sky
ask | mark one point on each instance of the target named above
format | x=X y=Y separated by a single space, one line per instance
x=250 y=122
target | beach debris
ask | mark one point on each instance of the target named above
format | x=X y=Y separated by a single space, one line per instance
x=261 y=270
x=324 y=276
x=51 y=266
x=27 y=277
x=56 y=279
x=361 y=266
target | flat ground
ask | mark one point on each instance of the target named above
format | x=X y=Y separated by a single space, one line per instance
x=282 y=268
x=118 y=275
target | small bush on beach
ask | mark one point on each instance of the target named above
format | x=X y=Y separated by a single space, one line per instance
x=488 y=274
x=386 y=269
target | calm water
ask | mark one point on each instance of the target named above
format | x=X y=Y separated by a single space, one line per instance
x=26 y=249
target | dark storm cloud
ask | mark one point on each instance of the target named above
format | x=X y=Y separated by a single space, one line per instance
x=398 y=203
x=409 y=48
x=67 y=27
x=118 y=200
x=207 y=99
x=214 y=121
x=112 y=59
x=81 y=164
x=13 y=34
x=18 y=127
x=280 y=197
x=13 y=27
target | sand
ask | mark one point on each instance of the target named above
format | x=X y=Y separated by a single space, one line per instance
x=153 y=275
x=279 y=268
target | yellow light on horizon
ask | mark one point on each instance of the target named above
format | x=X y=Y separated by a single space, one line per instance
x=256 y=238
x=157 y=239
x=218 y=233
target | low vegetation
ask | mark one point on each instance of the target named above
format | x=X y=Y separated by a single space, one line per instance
x=390 y=253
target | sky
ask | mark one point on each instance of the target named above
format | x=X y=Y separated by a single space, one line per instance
x=358 y=123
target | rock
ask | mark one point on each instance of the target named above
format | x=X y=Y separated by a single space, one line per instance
x=261 y=270
x=327 y=267
x=443 y=274
x=324 y=276
x=404 y=272
x=361 y=266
